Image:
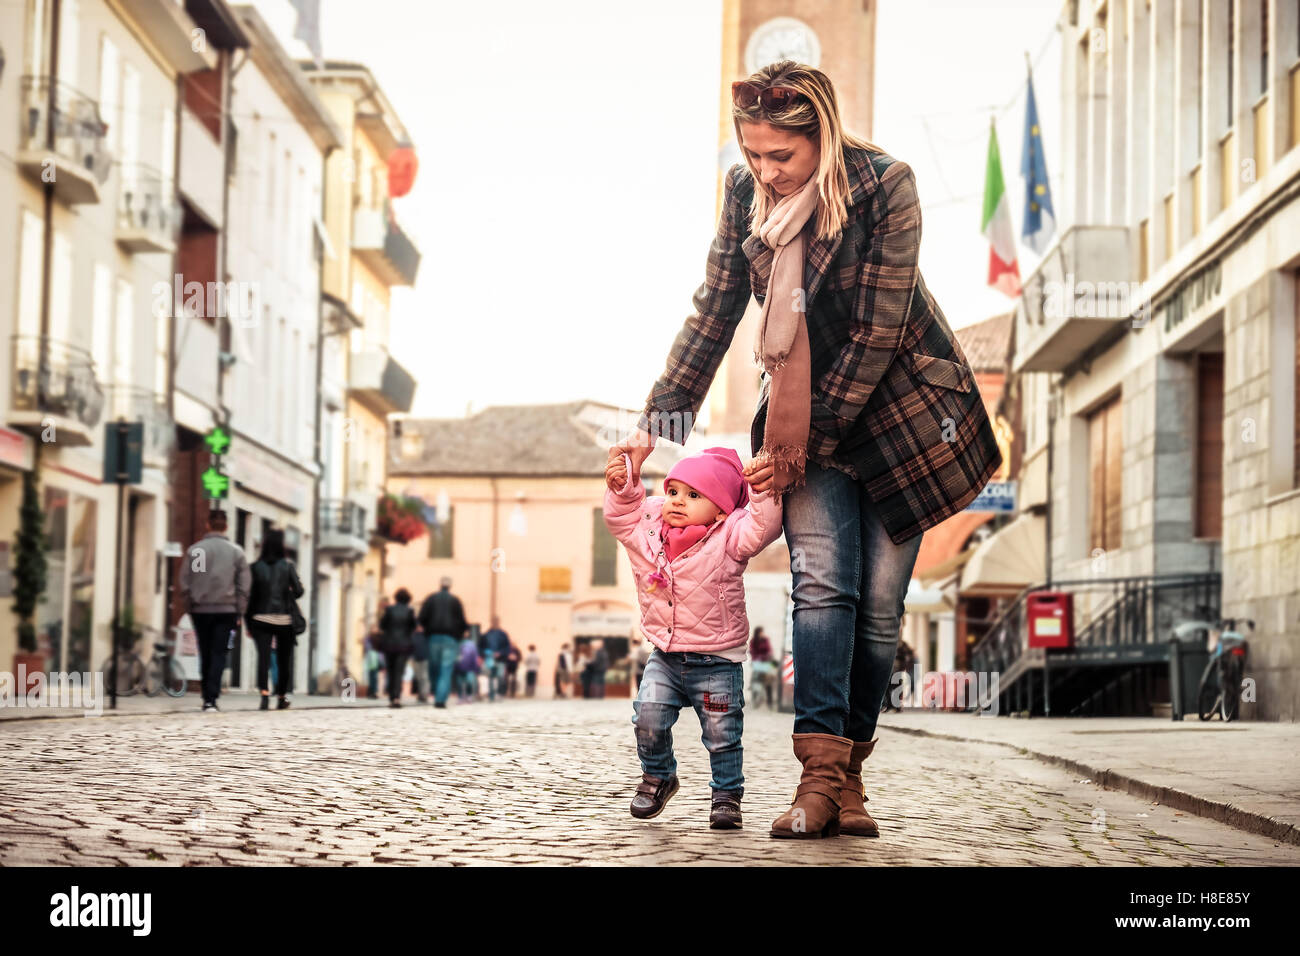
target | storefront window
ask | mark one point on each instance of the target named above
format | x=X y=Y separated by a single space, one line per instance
x=49 y=612
x=81 y=584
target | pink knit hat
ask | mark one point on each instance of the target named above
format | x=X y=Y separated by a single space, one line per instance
x=715 y=473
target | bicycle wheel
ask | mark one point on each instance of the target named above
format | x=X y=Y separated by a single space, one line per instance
x=153 y=682
x=176 y=681
x=135 y=676
x=1230 y=704
x=1207 y=698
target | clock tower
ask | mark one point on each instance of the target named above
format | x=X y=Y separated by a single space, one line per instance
x=837 y=37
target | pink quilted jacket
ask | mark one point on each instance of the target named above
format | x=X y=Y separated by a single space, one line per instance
x=702 y=609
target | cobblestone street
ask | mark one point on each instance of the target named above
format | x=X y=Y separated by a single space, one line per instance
x=536 y=782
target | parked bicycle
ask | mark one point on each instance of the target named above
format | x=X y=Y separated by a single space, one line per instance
x=124 y=669
x=1220 y=687
x=165 y=672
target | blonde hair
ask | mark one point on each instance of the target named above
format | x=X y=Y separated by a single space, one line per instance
x=816 y=116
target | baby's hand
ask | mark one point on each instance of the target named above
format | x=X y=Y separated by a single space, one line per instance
x=616 y=474
x=759 y=474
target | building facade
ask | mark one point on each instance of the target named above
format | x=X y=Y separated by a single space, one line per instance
x=1156 y=342
x=361 y=384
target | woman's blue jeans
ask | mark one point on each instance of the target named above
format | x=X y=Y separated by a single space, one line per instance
x=850 y=580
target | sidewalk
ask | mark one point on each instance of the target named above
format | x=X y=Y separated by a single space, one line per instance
x=141 y=705
x=1244 y=774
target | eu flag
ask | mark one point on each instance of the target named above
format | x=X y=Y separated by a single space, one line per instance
x=1040 y=223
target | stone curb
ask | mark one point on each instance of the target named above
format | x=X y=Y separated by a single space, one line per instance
x=1247 y=820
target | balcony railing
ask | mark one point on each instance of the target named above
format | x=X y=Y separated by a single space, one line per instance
x=342 y=516
x=61 y=124
x=1085 y=289
x=148 y=215
x=380 y=383
x=343 y=528
x=384 y=245
x=54 y=383
x=131 y=403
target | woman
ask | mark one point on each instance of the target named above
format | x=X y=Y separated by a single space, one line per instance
x=868 y=421
x=397 y=636
x=273 y=589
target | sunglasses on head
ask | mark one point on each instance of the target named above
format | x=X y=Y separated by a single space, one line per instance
x=774 y=98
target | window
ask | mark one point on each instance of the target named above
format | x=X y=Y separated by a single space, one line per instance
x=109 y=103
x=122 y=337
x=1209 y=445
x=1263 y=46
x=29 y=283
x=440 y=536
x=101 y=335
x=1295 y=477
x=1232 y=50
x=604 y=551
x=1105 y=475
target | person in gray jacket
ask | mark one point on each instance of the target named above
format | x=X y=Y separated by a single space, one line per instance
x=214 y=586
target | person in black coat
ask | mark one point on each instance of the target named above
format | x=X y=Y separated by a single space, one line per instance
x=442 y=618
x=397 y=638
x=274 y=590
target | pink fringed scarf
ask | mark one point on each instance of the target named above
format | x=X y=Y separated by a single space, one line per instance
x=781 y=344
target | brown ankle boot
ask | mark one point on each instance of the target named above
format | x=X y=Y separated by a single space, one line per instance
x=854 y=818
x=816 y=809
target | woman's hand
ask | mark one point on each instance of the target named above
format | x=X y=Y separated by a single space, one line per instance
x=759 y=474
x=637 y=447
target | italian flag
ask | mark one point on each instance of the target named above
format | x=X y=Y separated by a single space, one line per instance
x=1004 y=273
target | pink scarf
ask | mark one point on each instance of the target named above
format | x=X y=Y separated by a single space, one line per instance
x=676 y=541
x=781 y=343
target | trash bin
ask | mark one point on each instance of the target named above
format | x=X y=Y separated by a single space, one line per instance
x=1050 y=616
x=1188 y=655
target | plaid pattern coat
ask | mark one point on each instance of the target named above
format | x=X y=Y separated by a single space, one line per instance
x=894 y=402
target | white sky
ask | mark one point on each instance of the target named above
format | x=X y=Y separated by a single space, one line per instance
x=568 y=152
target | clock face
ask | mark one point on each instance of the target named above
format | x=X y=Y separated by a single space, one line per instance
x=782 y=38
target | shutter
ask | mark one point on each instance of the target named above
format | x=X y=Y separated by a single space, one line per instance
x=604 y=551
x=61 y=293
x=29 y=283
x=1209 y=445
x=1114 y=475
x=122 y=334
x=1096 y=479
x=109 y=97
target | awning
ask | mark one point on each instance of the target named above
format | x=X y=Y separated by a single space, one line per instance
x=1008 y=561
x=945 y=569
x=920 y=600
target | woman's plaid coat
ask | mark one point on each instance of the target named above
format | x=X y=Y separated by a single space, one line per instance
x=894 y=399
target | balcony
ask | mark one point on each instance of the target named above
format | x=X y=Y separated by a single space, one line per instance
x=343 y=532
x=171 y=31
x=62 y=140
x=148 y=215
x=379 y=383
x=131 y=403
x=54 y=395
x=381 y=244
x=1084 y=289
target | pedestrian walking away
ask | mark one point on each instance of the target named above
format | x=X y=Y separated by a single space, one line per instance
x=563 y=671
x=689 y=549
x=532 y=664
x=442 y=619
x=869 y=420
x=275 y=589
x=214 y=587
x=397 y=638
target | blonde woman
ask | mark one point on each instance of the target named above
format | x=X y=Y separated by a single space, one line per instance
x=869 y=422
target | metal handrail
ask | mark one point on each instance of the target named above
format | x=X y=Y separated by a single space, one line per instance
x=79 y=132
x=50 y=375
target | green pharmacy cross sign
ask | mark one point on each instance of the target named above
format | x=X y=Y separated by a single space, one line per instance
x=217 y=440
x=215 y=484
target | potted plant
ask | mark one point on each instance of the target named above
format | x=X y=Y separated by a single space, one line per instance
x=400 y=519
x=29 y=578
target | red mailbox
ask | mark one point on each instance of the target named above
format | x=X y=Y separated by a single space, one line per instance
x=1050 y=615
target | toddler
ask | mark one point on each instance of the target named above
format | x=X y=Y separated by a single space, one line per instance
x=689 y=549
